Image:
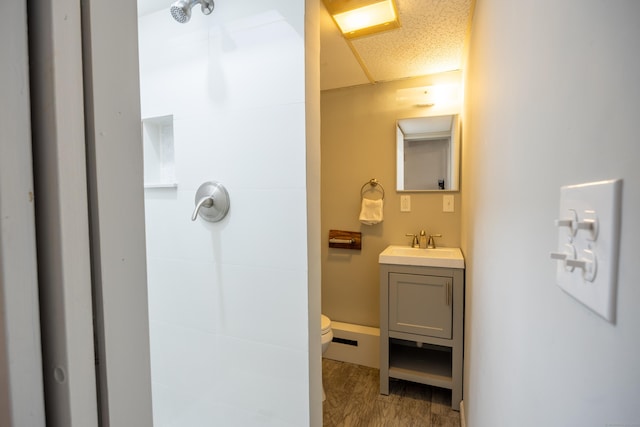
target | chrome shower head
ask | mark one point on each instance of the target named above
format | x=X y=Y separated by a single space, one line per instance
x=181 y=9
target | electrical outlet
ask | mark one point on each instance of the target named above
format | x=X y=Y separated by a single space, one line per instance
x=447 y=203
x=405 y=203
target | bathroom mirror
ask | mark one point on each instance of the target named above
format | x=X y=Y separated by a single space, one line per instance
x=428 y=153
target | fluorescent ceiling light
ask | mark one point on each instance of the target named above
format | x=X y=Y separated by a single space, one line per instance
x=367 y=18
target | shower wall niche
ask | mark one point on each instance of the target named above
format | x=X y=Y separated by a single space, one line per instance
x=159 y=153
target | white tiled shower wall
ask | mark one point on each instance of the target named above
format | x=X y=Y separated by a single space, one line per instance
x=228 y=300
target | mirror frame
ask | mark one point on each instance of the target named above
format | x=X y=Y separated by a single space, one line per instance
x=454 y=157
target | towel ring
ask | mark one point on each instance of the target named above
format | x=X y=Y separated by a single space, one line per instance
x=374 y=184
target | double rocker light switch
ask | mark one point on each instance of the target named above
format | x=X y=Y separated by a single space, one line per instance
x=588 y=238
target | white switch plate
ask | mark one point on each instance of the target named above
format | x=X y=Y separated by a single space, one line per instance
x=405 y=203
x=599 y=200
x=447 y=203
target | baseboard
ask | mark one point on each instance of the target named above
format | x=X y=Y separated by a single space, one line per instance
x=463 y=417
x=355 y=344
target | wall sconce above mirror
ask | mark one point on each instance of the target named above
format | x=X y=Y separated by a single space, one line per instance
x=428 y=153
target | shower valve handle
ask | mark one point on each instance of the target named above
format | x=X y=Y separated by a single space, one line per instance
x=212 y=202
x=206 y=201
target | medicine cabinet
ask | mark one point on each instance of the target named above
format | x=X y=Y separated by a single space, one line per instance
x=428 y=153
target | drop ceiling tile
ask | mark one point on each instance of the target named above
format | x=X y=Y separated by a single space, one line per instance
x=338 y=66
x=430 y=40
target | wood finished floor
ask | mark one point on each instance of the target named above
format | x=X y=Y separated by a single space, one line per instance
x=354 y=400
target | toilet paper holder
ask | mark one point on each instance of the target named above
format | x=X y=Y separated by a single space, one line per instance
x=345 y=239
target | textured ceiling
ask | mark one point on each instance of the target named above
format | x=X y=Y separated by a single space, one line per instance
x=430 y=40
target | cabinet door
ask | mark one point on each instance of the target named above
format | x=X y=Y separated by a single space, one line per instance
x=420 y=304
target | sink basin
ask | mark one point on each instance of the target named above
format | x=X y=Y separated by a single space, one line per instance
x=439 y=257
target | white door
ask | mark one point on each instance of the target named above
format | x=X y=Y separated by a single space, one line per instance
x=21 y=391
x=89 y=215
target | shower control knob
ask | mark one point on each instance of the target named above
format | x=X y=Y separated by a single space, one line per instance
x=212 y=202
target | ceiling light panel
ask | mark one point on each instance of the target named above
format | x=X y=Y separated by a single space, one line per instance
x=357 y=18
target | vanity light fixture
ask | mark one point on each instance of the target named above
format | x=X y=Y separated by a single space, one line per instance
x=357 y=18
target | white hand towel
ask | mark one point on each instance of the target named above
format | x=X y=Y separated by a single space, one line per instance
x=371 y=212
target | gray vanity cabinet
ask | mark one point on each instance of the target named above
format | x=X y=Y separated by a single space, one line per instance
x=420 y=304
x=421 y=326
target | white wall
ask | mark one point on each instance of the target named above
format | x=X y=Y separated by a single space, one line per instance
x=228 y=301
x=551 y=99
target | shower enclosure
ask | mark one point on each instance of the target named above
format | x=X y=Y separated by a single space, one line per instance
x=223 y=99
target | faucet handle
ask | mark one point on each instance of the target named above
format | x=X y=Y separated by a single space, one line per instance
x=414 y=242
x=431 y=244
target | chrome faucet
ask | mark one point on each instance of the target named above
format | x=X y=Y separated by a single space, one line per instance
x=431 y=244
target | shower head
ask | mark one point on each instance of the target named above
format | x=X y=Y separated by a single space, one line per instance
x=181 y=10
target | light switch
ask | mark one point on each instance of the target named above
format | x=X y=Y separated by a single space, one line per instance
x=588 y=240
x=447 y=203
x=405 y=203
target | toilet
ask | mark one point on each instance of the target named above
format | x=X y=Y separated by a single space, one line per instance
x=327 y=336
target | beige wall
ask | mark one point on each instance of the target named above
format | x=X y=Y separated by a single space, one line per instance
x=357 y=144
